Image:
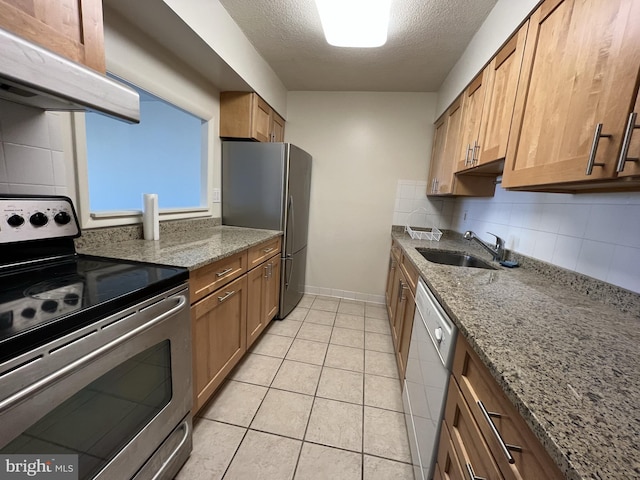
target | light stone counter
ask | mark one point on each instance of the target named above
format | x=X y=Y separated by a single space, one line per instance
x=568 y=363
x=189 y=248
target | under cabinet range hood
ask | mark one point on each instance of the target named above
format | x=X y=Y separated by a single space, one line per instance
x=32 y=75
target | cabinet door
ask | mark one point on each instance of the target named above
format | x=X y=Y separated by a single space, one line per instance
x=261 y=119
x=631 y=167
x=391 y=279
x=580 y=71
x=448 y=463
x=256 y=301
x=277 y=128
x=472 y=103
x=408 y=312
x=219 y=333
x=446 y=179
x=402 y=305
x=502 y=82
x=437 y=153
x=70 y=28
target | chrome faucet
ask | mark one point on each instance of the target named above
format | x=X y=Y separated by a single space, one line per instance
x=496 y=251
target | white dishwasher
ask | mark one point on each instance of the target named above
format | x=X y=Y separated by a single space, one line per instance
x=426 y=379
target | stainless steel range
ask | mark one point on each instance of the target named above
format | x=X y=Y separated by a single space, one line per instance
x=95 y=353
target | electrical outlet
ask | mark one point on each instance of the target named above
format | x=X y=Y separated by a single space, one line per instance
x=216 y=195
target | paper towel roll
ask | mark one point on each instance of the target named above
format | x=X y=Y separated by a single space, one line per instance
x=150 y=218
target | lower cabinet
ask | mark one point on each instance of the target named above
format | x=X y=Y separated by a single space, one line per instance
x=264 y=294
x=401 y=306
x=227 y=320
x=483 y=434
x=219 y=337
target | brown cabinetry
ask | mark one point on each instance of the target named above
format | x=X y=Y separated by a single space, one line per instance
x=219 y=323
x=70 y=28
x=472 y=104
x=446 y=146
x=575 y=95
x=484 y=431
x=232 y=304
x=402 y=279
x=246 y=115
x=264 y=290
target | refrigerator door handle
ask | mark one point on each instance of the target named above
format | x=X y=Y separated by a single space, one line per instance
x=287 y=274
x=291 y=219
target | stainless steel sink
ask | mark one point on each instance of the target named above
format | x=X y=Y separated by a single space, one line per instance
x=457 y=259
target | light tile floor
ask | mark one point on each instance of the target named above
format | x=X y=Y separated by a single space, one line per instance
x=317 y=397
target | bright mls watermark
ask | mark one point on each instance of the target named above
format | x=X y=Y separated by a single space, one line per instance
x=49 y=467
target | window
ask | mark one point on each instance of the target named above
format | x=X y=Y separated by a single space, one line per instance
x=162 y=154
x=168 y=153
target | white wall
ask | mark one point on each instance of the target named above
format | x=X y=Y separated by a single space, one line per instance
x=499 y=25
x=362 y=143
x=32 y=159
x=214 y=25
x=594 y=234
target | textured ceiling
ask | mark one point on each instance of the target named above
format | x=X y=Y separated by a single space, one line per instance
x=426 y=37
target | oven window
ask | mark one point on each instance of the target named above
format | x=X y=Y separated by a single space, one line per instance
x=99 y=420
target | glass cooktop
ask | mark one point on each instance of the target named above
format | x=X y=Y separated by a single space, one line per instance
x=46 y=301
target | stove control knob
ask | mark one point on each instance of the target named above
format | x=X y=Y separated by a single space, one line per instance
x=15 y=220
x=49 y=306
x=28 y=312
x=62 y=218
x=38 y=219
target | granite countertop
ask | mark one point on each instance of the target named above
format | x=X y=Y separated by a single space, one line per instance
x=190 y=249
x=568 y=363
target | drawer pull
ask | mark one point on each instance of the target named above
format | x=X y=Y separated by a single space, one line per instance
x=267 y=250
x=472 y=475
x=503 y=446
x=224 y=272
x=224 y=297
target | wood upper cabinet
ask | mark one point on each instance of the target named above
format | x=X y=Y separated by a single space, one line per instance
x=446 y=147
x=577 y=87
x=70 y=28
x=472 y=104
x=246 y=115
x=501 y=80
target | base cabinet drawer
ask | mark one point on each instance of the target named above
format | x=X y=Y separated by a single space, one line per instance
x=499 y=421
x=209 y=278
x=467 y=440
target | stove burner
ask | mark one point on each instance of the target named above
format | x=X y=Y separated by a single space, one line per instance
x=55 y=289
x=71 y=299
x=49 y=306
x=28 y=312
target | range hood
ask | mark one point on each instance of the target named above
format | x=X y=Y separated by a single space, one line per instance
x=32 y=75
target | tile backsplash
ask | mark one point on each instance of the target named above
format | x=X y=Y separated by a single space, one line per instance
x=595 y=234
x=31 y=151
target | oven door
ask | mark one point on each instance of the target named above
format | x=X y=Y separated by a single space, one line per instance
x=116 y=393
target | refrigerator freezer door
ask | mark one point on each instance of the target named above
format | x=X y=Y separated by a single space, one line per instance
x=298 y=195
x=292 y=281
x=253 y=184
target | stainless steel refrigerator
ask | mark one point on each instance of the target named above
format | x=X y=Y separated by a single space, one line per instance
x=267 y=185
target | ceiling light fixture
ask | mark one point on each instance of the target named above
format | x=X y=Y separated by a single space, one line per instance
x=354 y=23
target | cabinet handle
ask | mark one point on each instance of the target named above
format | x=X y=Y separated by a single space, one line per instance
x=403 y=287
x=466 y=157
x=594 y=148
x=472 y=475
x=270 y=269
x=474 y=158
x=224 y=297
x=503 y=446
x=224 y=272
x=267 y=250
x=266 y=271
x=631 y=125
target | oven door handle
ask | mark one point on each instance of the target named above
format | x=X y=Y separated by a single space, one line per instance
x=167 y=462
x=67 y=370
